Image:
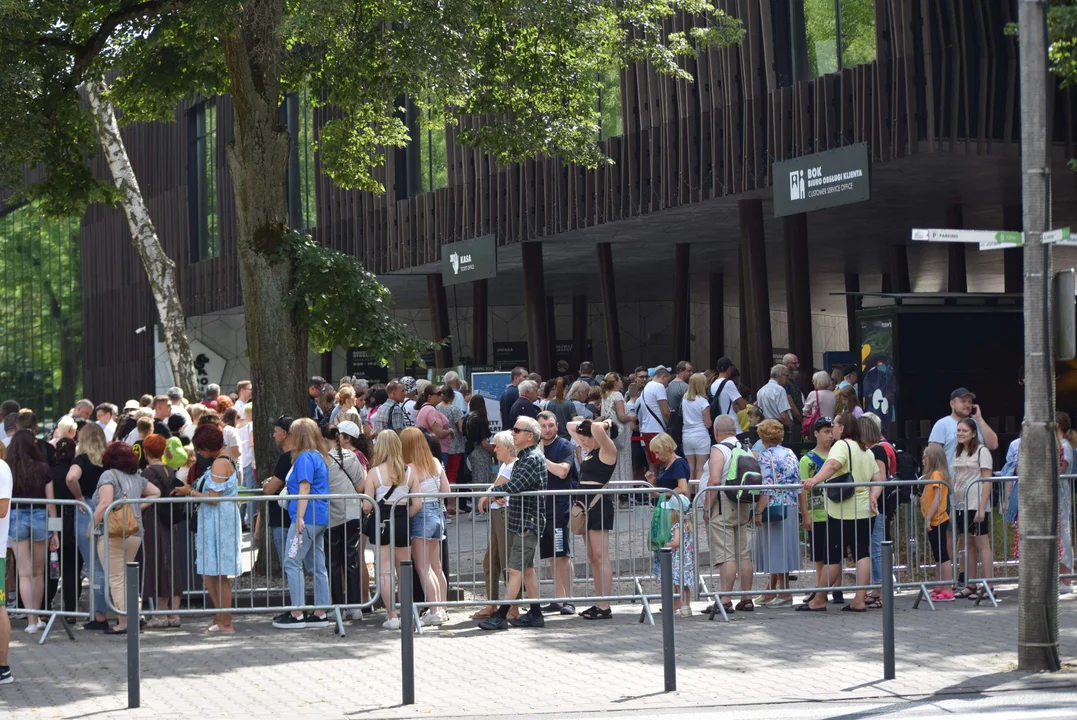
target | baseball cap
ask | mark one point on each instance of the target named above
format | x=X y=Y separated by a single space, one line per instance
x=349 y=428
x=823 y=422
x=131 y=405
x=409 y=387
x=678 y=502
x=175 y=456
x=962 y=392
x=724 y=364
x=284 y=422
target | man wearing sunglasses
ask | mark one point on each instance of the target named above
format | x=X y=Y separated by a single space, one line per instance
x=526 y=516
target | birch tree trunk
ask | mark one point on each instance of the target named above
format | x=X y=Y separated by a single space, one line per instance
x=160 y=269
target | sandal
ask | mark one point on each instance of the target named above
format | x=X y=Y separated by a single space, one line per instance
x=874 y=603
x=746 y=605
x=850 y=608
x=157 y=622
x=174 y=622
x=595 y=613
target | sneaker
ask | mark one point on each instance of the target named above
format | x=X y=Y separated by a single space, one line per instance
x=1064 y=589
x=392 y=624
x=287 y=621
x=568 y=609
x=315 y=621
x=551 y=608
x=355 y=614
x=495 y=623
x=430 y=619
x=6 y=678
x=33 y=628
x=528 y=621
x=95 y=625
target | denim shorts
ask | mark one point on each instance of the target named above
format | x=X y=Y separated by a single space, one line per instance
x=30 y=523
x=429 y=522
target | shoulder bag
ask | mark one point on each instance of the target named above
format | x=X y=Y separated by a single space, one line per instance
x=577 y=516
x=840 y=494
x=807 y=425
x=123 y=522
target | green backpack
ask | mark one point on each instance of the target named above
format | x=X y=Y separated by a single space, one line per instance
x=661 y=531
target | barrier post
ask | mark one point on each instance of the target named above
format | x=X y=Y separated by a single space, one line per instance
x=888 y=610
x=134 y=671
x=669 y=653
x=407 y=630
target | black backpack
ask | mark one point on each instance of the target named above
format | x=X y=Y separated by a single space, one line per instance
x=716 y=402
x=908 y=468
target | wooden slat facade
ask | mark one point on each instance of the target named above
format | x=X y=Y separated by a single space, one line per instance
x=944 y=80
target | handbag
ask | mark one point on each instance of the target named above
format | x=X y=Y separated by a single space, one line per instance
x=840 y=494
x=774 y=513
x=123 y=522
x=577 y=516
x=807 y=425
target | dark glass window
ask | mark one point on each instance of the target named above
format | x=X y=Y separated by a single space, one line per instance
x=299 y=117
x=202 y=198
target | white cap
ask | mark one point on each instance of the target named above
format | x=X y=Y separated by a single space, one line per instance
x=349 y=428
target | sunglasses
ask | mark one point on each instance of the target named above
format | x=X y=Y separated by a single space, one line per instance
x=517 y=431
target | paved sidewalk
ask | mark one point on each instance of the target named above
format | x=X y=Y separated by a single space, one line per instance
x=571 y=666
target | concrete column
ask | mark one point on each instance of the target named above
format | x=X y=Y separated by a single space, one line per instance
x=480 y=322
x=798 y=287
x=538 y=338
x=609 y=307
x=756 y=292
x=717 y=318
x=681 y=322
x=852 y=285
x=439 y=318
x=579 y=332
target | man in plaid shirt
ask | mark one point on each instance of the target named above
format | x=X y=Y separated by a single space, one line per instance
x=524 y=523
x=391 y=415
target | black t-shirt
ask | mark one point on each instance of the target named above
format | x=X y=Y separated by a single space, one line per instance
x=90 y=475
x=880 y=454
x=278 y=516
x=476 y=429
x=522 y=406
x=508 y=399
x=59 y=481
x=160 y=428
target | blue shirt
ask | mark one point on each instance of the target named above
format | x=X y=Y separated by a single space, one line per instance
x=310 y=467
x=669 y=476
x=944 y=432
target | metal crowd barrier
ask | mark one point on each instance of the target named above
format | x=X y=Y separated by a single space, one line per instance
x=631 y=562
x=171 y=587
x=783 y=547
x=1002 y=536
x=49 y=581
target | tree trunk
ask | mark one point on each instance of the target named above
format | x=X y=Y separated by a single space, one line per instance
x=258 y=160
x=160 y=270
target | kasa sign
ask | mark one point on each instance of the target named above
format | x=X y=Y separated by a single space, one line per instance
x=823 y=180
x=469 y=260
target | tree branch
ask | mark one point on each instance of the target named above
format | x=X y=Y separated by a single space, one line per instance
x=88 y=51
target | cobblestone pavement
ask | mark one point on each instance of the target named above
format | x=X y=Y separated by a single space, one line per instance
x=571 y=666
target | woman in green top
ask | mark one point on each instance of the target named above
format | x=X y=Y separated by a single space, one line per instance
x=849 y=521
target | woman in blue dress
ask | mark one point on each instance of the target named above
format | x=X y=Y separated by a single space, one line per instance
x=217 y=540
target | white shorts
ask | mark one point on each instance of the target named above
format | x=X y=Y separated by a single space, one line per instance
x=696 y=444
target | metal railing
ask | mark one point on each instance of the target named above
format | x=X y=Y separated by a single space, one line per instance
x=35 y=593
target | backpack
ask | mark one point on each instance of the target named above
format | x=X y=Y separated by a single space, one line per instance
x=675 y=429
x=743 y=470
x=661 y=532
x=716 y=402
x=908 y=468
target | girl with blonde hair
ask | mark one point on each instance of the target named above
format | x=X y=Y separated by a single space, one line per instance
x=427 y=521
x=388 y=482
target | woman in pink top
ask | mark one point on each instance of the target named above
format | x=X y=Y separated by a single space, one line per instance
x=433 y=420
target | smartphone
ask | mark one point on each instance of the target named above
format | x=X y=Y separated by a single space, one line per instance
x=975 y=409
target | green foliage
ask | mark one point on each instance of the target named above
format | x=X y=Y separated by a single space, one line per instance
x=341 y=304
x=857 y=34
x=40 y=311
x=1062 y=34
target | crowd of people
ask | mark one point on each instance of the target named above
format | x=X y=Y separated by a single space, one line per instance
x=408 y=444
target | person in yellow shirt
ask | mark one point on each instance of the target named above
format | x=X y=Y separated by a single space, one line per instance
x=849 y=510
x=933 y=506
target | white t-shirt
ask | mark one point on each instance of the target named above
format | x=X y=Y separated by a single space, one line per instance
x=132 y=437
x=409 y=408
x=692 y=410
x=231 y=438
x=650 y=417
x=6 y=440
x=506 y=470
x=730 y=395
x=966 y=471
x=944 y=432
x=239 y=405
x=6 y=485
x=110 y=430
x=705 y=478
x=246 y=448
